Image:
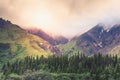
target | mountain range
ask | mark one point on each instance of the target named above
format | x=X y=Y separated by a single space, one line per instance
x=16 y=42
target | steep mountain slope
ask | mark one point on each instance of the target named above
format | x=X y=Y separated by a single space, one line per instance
x=70 y=48
x=99 y=40
x=53 y=41
x=17 y=43
x=94 y=41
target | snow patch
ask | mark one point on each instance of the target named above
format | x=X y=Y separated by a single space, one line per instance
x=108 y=30
x=100 y=44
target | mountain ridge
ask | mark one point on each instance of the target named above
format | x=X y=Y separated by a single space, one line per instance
x=52 y=40
x=96 y=40
x=16 y=43
x=99 y=39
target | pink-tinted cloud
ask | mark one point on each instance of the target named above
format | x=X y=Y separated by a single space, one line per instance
x=63 y=17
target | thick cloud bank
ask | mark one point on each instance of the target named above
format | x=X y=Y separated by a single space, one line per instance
x=64 y=17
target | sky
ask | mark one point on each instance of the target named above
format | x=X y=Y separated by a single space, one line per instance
x=61 y=17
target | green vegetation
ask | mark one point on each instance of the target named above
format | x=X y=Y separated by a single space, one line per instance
x=10 y=52
x=16 y=36
x=69 y=48
x=62 y=67
x=24 y=56
x=115 y=51
x=40 y=75
x=16 y=43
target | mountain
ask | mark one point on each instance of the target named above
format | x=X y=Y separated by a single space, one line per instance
x=99 y=39
x=53 y=41
x=16 y=42
x=96 y=40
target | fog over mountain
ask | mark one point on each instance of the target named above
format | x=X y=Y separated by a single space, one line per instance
x=61 y=17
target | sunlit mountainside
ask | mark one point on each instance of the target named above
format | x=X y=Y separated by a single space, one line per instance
x=18 y=43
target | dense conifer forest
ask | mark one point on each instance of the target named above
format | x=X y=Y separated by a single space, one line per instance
x=96 y=67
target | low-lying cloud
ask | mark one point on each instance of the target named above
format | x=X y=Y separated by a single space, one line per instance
x=63 y=17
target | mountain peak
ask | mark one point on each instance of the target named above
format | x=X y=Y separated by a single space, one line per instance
x=3 y=22
x=99 y=39
x=100 y=25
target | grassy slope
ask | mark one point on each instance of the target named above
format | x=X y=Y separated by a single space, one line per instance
x=21 y=43
x=115 y=51
x=70 y=47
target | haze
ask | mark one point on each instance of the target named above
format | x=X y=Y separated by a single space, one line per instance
x=61 y=17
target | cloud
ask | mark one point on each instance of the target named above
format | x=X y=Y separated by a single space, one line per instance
x=65 y=17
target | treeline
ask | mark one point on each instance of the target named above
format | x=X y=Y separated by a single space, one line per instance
x=97 y=65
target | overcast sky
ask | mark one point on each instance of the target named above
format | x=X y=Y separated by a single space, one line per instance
x=63 y=17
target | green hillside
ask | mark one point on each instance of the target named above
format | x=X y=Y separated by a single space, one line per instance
x=115 y=51
x=70 y=48
x=17 y=43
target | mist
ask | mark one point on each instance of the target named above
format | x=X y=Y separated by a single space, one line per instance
x=61 y=17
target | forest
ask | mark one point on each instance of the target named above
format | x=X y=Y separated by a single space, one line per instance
x=62 y=67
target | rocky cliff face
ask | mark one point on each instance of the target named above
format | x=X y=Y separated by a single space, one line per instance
x=99 y=39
